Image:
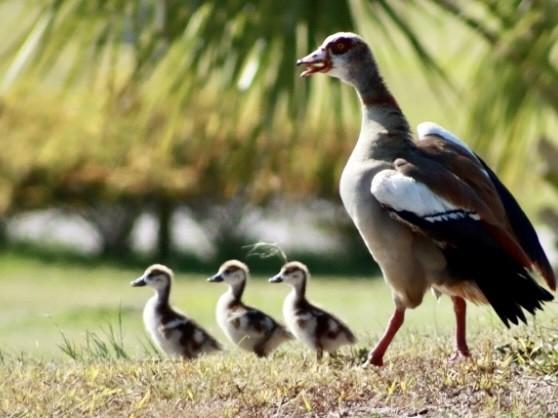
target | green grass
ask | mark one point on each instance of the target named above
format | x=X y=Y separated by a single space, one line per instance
x=73 y=344
x=41 y=299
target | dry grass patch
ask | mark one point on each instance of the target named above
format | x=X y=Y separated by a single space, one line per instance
x=517 y=379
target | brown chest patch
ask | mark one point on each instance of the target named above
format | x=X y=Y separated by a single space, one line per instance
x=302 y=323
x=166 y=333
x=235 y=322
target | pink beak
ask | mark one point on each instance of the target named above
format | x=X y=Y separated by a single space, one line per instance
x=315 y=62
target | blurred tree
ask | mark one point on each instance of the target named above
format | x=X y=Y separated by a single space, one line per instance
x=114 y=223
x=3 y=232
x=226 y=223
x=548 y=152
x=173 y=100
x=515 y=98
x=190 y=89
x=166 y=101
x=165 y=209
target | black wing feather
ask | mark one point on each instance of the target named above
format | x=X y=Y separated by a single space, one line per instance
x=259 y=320
x=472 y=254
x=522 y=227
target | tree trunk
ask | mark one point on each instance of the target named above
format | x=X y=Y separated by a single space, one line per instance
x=165 y=210
x=3 y=232
x=114 y=224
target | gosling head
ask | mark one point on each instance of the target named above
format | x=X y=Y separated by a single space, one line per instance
x=293 y=273
x=343 y=55
x=233 y=272
x=156 y=276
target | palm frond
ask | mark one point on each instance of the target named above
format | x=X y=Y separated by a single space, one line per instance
x=170 y=87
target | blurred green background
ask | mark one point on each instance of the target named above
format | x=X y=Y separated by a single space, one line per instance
x=179 y=131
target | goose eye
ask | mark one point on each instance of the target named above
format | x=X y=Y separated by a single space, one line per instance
x=339 y=47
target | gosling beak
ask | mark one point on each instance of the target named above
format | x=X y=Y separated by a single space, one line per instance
x=216 y=278
x=315 y=62
x=278 y=278
x=140 y=281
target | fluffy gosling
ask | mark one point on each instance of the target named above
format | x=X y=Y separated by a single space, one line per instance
x=315 y=327
x=247 y=327
x=171 y=331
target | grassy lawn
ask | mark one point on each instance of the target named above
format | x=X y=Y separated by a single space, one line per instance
x=513 y=372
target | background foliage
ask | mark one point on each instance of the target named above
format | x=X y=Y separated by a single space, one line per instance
x=111 y=107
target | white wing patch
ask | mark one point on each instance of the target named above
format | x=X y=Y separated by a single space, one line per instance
x=403 y=193
x=430 y=128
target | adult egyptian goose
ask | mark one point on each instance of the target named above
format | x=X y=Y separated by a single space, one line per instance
x=247 y=327
x=172 y=332
x=317 y=328
x=431 y=212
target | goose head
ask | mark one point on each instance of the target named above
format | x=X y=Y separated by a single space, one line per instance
x=156 y=276
x=293 y=273
x=232 y=272
x=343 y=55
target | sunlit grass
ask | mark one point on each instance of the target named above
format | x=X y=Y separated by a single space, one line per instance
x=73 y=344
x=515 y=380
x=39 y=301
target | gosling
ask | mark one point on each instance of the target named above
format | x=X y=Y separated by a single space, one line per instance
x=315 y=327
x=172 y=332
x=247 y=327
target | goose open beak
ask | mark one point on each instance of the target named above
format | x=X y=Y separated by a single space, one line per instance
x=140 y=281
x=216 y=278
x=315 y=62
x=278 y=278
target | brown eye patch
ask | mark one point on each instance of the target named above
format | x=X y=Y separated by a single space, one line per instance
x=156 y=272
x=230 y=270
x=290 y=270
x=340 y=46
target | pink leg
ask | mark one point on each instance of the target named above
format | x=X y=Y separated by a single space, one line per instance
x=460 y=309
x=376 y=356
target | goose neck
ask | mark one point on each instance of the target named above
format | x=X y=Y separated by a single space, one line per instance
x=384 y=130
x=163 y=295
x=299 y=290
x=236 y=290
